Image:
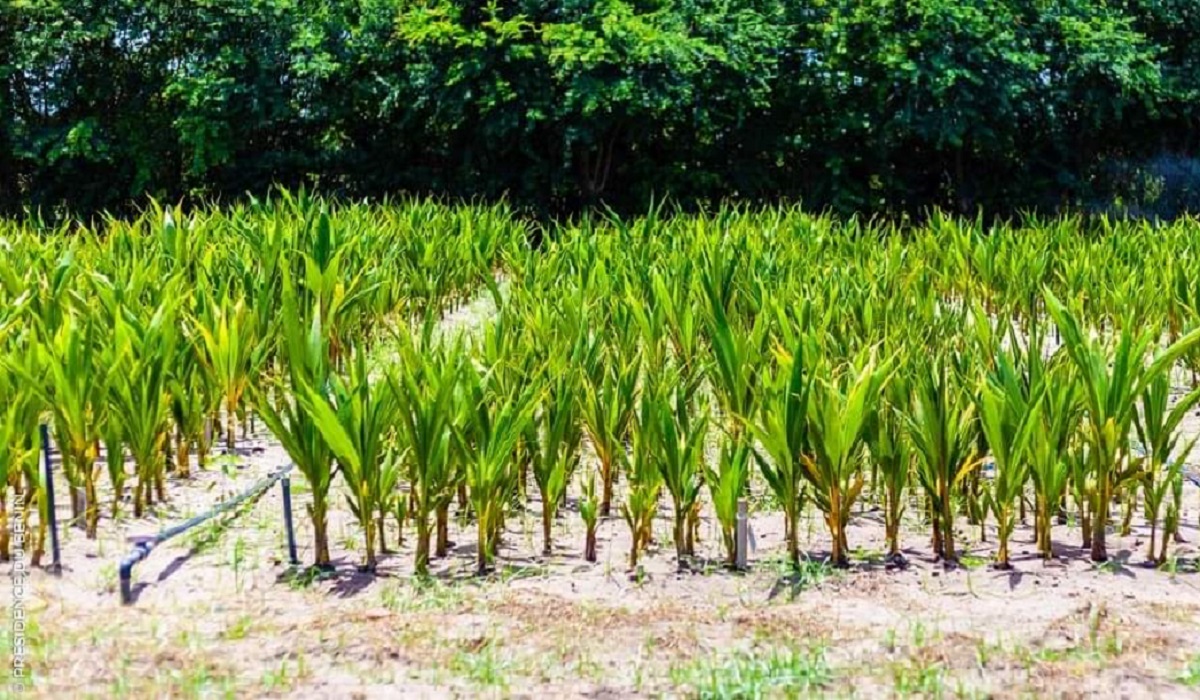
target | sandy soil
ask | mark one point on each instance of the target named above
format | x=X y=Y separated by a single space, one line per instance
x=221 y=613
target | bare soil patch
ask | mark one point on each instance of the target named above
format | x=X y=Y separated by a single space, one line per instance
x=221 y=612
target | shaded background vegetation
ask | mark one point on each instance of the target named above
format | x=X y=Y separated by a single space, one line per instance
x=863 y=105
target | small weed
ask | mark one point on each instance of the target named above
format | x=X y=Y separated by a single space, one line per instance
x=791 y=673
x=870 y=556
x=107 y=578
x=199 y=682
x=237 y=559
x=920 y=635
x=423 y=595
x=889 y=640
x=1096 y=615
x=208 y=537
x=227 y=463
x=809 y=573
x=1113 y=646
x=985 y=651
x=927 y=681
x=305 y=577
x=282 y=678
x=240 y=628
x=481 y=665
x=1191 y=673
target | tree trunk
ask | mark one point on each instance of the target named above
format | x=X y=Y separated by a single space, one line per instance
x=443 y=531
x=369 y=536
x=181 y=458
x=693 y=529
x=680 y=535
x=230 y=424
x=317 y=512
x=422 y=560
x=606 y=474
x=950 y=556
x=939 y=551
x=1127 y=521
x=380 y=528
x=1002 y=562
x=139 y=507
x=73 y=461
x=160 y=487
x=589 y=545
x=793 y=537
x=891 y=524
x=92 y=507
x=1042 y=534
x=1099 y=528
x=1085 y=524
x=484 y=537
x=547 y=518
x=834 y=519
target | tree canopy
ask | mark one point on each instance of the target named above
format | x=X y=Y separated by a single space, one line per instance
x=864 y=105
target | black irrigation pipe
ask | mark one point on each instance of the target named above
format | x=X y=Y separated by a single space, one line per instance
x=142 y=549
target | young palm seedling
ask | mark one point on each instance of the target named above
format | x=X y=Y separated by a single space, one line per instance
x=645 y=477
x=680 y=433
x=942 y=427
x=306 y=351
x=1162 y=466
x=1112 y=381
x=1008 y=418
x=232 y=353
x=609 y=399
x=557 y=433
x=425 y=384
x=726 y=487
x=354 y=417
x=782 y=430
x=75 y=389
x=1050 y=450
x=139 y=395
x=891 y=452
x=838 y=410
x=498 y=416
x=18 y=424
x=589 y=509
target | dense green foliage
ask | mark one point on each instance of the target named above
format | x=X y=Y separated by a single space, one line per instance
x=865 y=105
x=806 y=361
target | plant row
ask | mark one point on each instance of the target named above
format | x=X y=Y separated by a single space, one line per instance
x=963 y=373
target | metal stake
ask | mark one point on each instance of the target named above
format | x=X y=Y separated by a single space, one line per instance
x=55 y=556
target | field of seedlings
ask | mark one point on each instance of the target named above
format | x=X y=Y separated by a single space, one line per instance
x=528 y=459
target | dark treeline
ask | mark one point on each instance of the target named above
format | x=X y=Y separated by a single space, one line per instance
x=865 y=105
